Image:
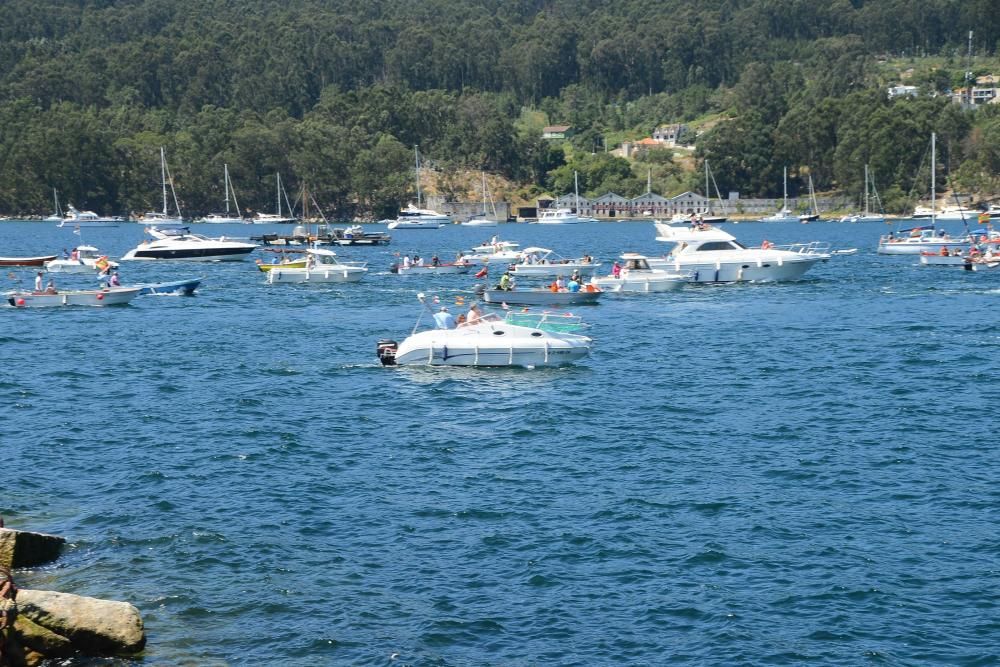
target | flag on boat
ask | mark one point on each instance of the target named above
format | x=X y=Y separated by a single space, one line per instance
x=482 y=272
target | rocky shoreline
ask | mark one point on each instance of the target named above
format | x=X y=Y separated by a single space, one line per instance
x=37 y=625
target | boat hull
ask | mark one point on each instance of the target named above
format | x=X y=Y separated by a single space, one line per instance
x=641 y=284
x=431 y=270
x=492 y=346
x=26 y=261
x=553 y=270
x=541 y=297
x=917 y=248
x=346 y=274
x=778 y=269
x=417 y=224
x=208 y=254
x=172 y=288
x=109 y=297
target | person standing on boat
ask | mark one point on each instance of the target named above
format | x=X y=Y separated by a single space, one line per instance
x=114 y=281
x=406 y=261
x=38 y=282
x=616 y=270
x=560 y=283
x=505 y=281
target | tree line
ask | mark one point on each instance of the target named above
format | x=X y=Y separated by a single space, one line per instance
x=334 y=95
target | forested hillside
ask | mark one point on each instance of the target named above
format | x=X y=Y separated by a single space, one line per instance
x=335 y=94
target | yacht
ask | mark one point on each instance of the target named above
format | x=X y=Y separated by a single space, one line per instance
x=919 y=240
x=227 y=217
x=946 y=214
x=785 y=214
x=75 y=218
x=711 y=255
x=412 y=217
x=179 y=243
x=559 y=216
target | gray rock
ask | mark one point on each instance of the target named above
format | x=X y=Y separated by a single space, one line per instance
x=19 y=548
x=76 y=623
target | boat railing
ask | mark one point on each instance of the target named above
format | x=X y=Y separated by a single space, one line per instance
x=812 y=248
x=546 y=321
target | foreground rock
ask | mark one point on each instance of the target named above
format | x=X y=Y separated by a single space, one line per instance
x=20 y=548
x=56 y=625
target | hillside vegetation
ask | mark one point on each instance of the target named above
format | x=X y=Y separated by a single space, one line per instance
x=334 y=95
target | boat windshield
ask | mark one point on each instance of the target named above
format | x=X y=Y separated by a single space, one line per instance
x=719 y=245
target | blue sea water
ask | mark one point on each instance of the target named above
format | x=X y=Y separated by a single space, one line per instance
x=776 y=474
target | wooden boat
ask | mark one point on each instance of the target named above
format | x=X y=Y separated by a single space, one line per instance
x=26 y=261
x=112 y=296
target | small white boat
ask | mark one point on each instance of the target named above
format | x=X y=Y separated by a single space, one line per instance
x=225 y=218
x=480 y=222
x=431 y=269
x=322 y=266
x=919 y=240
x=88 y=260
x=112 y=296
x=163 y=219
x=493 y=252
x=412 y=217
x=785 y=214
x=588 y=295
x=489 y=341
x=75 y=218
x=537 y=262
x=636 y=275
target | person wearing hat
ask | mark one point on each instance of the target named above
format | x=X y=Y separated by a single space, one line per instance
x=444 y=320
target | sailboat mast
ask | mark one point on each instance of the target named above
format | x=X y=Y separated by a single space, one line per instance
x=416 y=172
x=225 y=184
x=866 y=189
x=576 y=191
x=933 y=178
x=278 y=191
x=163 y=177
x=784 y=196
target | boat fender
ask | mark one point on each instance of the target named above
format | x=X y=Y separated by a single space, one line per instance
x=386 y=350
x=20 y=301
x=100 y=296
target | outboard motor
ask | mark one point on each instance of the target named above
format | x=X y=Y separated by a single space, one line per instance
x=386 y=350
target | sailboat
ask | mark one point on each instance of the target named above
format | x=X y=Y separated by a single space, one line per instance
x=868 y=215
x=814 y=207
x=414 y=217
x=162 y=218
x=918 y=240
x=713 y=219
x=484 y=220
x=223 y=218
x=785 y=214
x=271 y=218
x=57 y=214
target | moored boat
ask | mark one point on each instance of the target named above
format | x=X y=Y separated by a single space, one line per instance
x=543 y=296
x=180 y=244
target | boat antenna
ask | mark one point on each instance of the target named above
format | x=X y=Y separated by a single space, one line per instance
x=422 y=298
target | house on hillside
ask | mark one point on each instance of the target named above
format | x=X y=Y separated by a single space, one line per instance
x=670 y=135
x=631 y=149
x=902 y=91
x=579 y=205
x=557 y=132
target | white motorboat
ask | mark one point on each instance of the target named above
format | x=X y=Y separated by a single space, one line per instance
x=559 y=216
x=432 y=269
x=919 y=240
x=181 y=244
x=537 y=262
x=85 y=259
x=711 y=255
x=321 y=266
x=946 y=214
x=480 y=222
x=636 y=275
x=493 y=252
x=489 y=341
x=111 y=296
x=588 y=295
x=75 y=218
x=412 y=217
